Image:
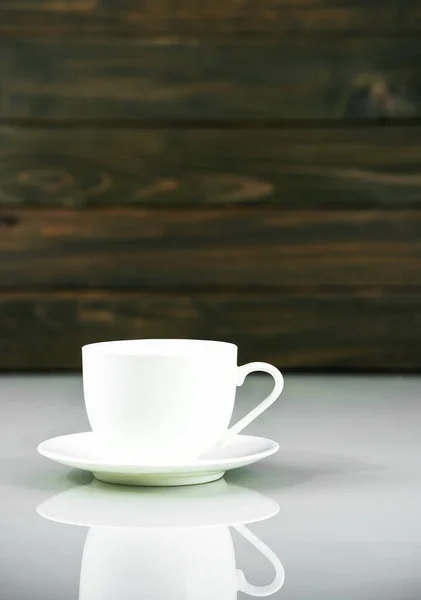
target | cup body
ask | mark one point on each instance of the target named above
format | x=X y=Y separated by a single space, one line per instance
x=159 y=400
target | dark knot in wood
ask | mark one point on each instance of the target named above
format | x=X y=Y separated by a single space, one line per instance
x=8 y=220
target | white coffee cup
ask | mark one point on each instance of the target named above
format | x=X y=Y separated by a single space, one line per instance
x=159 y=400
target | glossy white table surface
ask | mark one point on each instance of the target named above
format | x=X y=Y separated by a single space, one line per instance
x=347 y=480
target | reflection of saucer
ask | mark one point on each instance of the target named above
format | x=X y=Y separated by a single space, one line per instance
x=101 y=505
x=82 y=450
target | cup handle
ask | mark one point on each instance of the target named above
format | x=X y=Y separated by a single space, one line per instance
x=245 y=370
x=260 y=590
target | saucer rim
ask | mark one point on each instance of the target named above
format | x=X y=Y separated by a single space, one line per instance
x=83 y=462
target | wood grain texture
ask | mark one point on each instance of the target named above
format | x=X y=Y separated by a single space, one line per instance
x=292 y=78
x=134 y=17
x=130 y=248
x=364 y=167
x=315 y=331
x=302 y=244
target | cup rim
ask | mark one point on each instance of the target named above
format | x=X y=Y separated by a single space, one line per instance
x=133 y=347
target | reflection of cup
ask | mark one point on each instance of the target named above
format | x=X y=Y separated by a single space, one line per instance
x=161 y=564
x=166 y=544
x=165 y=400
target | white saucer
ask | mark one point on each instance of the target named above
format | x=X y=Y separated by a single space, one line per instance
x=81 y=450
x=107 y=506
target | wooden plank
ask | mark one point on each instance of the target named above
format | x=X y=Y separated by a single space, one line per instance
x=310 y=331
x=134 y=17
x=294 y=78
x=365 y=167
x=170 y=248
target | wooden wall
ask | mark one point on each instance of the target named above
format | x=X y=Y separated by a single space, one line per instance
x=241 y=170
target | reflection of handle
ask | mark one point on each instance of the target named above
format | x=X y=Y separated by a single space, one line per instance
x=275 y=393
x=260 y=590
